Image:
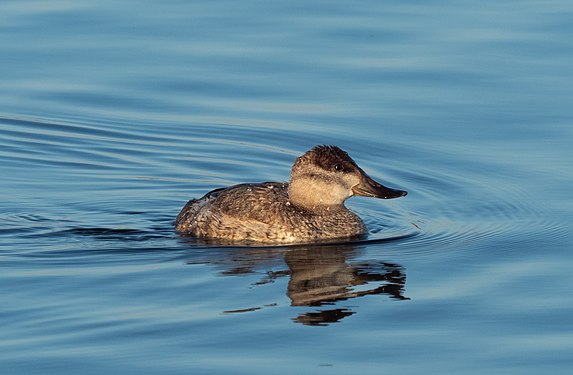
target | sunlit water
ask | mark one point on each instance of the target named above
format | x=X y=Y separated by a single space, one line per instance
x=115 y=113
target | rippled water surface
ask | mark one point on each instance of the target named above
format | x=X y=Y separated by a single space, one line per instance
x=115 y=113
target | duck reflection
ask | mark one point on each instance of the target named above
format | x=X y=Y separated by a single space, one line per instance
x=325 y=275
x=319 y=277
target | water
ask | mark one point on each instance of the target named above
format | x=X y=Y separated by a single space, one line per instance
x=115 y=113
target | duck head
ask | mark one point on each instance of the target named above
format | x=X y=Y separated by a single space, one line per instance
x=326 y=176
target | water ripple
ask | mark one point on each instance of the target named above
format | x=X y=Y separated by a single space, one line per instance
x=443 y=207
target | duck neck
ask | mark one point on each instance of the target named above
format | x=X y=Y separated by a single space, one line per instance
x=307 y=195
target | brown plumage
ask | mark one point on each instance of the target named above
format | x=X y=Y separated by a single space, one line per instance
x=310 y=208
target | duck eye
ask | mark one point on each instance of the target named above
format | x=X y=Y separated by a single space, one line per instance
x=338 y=167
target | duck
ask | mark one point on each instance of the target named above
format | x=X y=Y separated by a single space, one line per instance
x=309 y=208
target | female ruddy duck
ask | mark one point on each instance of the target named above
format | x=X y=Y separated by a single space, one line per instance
x=309 y=209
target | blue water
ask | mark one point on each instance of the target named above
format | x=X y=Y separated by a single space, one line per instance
x=115 y=113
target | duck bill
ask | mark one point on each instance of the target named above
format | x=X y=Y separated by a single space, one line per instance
x=370 y=188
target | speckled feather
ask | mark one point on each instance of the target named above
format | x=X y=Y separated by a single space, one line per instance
x=270 y=216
